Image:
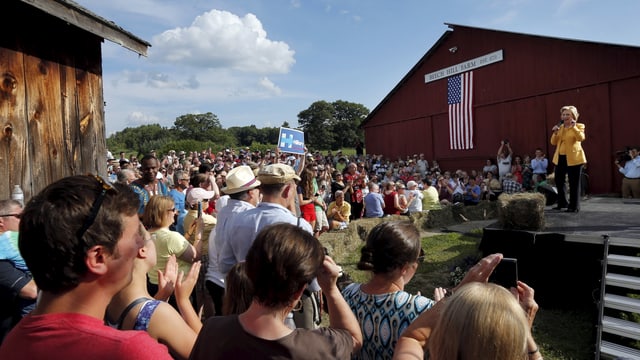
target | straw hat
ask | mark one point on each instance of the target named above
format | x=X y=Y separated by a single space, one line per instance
x=240 y=178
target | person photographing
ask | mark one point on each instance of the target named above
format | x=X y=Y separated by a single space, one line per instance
x=631 y=172
x=569 y=157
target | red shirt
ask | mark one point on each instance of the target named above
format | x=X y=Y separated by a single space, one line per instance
x=77 y=336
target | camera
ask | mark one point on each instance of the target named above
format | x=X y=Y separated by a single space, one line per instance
x=505 y=141
x=623 y=155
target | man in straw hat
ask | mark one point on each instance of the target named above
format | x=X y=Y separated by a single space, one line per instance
x=278 y=187
x=243 y=192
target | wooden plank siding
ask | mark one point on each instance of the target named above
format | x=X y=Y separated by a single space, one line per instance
x=51 y=96
x=518 y=99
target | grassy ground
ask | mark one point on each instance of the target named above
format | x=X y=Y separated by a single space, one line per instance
x=561 y=334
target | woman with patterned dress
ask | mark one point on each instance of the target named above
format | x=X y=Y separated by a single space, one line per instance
x=392 y=253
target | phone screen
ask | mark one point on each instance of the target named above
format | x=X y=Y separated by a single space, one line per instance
x=506 y=273
x=199 y=209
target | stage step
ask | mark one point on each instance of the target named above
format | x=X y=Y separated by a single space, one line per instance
x=621 y=327
x=622 y=260
x=625 y=281
x=618 y=351
x=621 y=303
x=614 y=323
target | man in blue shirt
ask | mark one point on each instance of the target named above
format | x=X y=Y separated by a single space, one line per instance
x=373 y=202
x=631 y=172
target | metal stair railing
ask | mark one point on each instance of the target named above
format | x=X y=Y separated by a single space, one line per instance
x=610 y=324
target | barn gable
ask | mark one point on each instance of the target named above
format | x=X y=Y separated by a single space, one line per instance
x=517 y=98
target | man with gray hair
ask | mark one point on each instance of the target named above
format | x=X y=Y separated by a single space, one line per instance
x=338 y=212
x=373 y=202
x=126 y=176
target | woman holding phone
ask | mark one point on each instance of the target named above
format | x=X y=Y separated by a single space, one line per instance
x=569 y=157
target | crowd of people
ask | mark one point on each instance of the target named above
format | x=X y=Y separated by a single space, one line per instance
x=90 y=254
x=217 y=255
x=398 y=186
x=109 y=258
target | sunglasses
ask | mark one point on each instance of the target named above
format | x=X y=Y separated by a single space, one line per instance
x=173 y=209
x=105 y=187
x=421 y=256
x=17 y=216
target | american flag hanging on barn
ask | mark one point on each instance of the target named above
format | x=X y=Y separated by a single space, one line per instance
x=460 y=99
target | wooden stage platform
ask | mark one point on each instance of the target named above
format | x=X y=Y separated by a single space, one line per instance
x=563 y=262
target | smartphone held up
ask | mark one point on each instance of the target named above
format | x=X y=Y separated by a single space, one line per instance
x=506 y=273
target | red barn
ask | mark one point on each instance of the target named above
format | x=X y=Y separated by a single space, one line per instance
x=517 y=86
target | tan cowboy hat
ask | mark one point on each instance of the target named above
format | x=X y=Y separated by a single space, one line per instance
x=240 y=178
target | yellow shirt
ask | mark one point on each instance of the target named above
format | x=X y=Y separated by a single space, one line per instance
x=345 y=210
x=168 y=243
x=209 y=223
x=568 y=141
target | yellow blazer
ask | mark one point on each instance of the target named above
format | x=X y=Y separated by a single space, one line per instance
x=569 y=142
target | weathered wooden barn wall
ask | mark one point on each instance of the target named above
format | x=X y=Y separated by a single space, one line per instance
x=518 y=99
x=51 y=103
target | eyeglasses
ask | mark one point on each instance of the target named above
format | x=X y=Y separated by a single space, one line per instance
x=420 y=256
x=106 y=186
x=173 y=209
x=17 y=216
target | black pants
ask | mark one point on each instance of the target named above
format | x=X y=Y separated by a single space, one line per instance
x=356 y=210
x=562 y=169
x=217 y=294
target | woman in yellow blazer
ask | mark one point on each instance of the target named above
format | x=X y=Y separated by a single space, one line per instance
x=569 y=157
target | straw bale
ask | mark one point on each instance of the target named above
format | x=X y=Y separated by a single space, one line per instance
x=523 y=211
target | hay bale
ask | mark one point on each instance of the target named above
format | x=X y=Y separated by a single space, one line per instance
x=340 y=243
x=523 y=211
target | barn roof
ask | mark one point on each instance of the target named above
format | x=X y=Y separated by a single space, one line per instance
x=75 y=14
x=442 y=38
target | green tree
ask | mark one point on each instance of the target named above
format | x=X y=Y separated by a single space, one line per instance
x=332 y=125
x=199 y=127
x=347 y=119
x=141 y=139
x=315 y=122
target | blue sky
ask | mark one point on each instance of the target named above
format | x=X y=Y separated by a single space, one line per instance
x=261 y=62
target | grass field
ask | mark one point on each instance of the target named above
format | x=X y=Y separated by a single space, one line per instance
x=561 y=334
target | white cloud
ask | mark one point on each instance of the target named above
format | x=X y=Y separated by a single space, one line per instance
x=268 y=85
x=220 y=39
x=138 y=118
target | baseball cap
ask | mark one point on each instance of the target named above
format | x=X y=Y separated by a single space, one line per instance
x=198 y=194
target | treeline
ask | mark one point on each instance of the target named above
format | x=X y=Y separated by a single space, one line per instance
x=326 y=125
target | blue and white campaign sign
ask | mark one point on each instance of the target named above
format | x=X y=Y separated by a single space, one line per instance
x=291 y=141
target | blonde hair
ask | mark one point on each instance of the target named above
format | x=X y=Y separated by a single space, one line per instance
x=572 y=109
x=155 y=211
x=481 y=320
